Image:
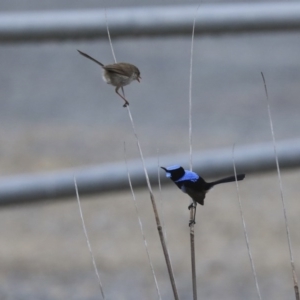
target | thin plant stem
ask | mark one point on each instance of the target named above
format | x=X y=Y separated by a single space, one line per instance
x=245 y=228
x=162 y=207
x=193 y=257
x=190 y=96
x=296 y=287
x=109 y=38
x=157 y=219
x=141 y=226
x=160 y=196
x=193 y=207
x=158 y=223
x=88 y=241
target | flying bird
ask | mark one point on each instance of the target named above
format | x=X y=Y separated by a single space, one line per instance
x=118 y=75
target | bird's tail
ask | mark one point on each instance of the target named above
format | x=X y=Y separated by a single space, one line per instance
x=91 y=58
x=224 y=180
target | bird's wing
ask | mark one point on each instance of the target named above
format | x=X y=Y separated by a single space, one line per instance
x=197 y=185
x=195 y=189
x=120 y=68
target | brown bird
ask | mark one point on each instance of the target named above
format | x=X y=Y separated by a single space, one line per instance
x=118 y=75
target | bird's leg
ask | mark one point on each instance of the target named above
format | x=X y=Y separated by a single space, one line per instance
x=192 y=221
x=193 y=204
x=117 y=91
x=195 y=213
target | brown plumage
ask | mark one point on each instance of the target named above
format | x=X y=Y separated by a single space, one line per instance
x=118 y=75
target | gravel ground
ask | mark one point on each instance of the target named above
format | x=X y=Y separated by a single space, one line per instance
x=56 y=113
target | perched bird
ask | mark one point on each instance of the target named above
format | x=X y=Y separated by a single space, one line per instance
x=192 y=184
x=118 y=75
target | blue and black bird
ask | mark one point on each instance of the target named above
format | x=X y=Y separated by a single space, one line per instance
x=194 y=185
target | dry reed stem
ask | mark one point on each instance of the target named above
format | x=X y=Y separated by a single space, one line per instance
x=88 y=241
x=109 y=38
x=158 y=223
x=162 y=209
x=193 y=260
x=193 y=207
x=245 y=228
x=141 y=226
x=296 y=287
x=160 y=197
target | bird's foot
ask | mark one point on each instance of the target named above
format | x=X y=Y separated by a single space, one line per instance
x=126 y=104
x=192 y=222
x=192 y=205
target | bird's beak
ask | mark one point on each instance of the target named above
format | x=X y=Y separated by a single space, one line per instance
x=167 y=173
x=138 y=79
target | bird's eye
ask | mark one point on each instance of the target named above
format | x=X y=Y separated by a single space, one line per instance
x=168 y=175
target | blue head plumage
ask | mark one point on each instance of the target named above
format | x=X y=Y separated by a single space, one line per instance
x=174 y=172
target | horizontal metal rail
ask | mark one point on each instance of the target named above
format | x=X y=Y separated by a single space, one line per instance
x=113 y=177
x=149 y=21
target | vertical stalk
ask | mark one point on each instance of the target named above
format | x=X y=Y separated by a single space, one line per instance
x=141 y=226
x=193 y=207
x=164 y=246
x=245 y=228
x=193 y=257
x=158 y=223
x=296 y=287
x=159 y=227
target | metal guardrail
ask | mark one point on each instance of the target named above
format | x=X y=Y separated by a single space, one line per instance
x=149 y=21
x=154 y=21
x=113 y=177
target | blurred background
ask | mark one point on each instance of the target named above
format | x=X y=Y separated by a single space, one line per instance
x=57 y=113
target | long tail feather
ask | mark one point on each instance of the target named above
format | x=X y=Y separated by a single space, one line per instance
x=91 y=58
x=224 y=180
